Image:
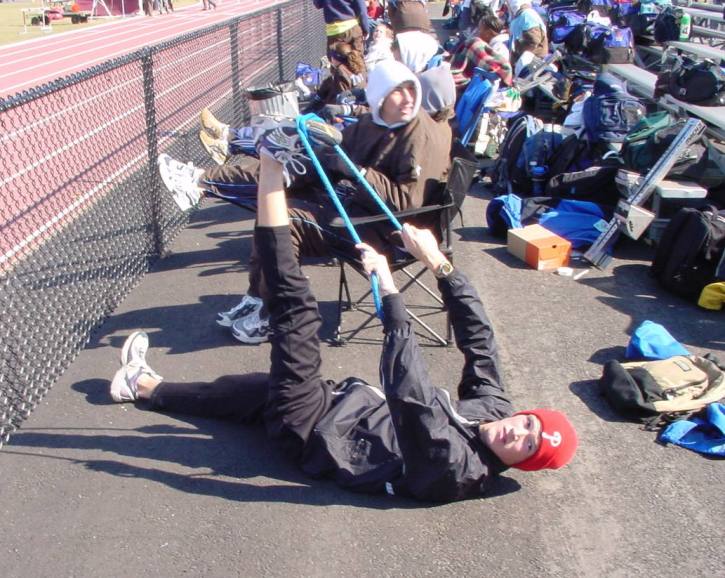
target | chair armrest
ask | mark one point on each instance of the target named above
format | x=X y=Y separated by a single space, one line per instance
x=338 y=222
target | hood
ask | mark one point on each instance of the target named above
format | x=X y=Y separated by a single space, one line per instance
x=438 y=89
x=515 y=6
x=382 y=81
x=416 y=49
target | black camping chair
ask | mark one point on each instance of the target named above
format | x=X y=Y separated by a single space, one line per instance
x=439 y=217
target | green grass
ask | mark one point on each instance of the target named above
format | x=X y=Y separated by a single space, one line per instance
x=11 y=22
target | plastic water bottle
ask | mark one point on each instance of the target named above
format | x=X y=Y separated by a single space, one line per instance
x=538 y=176
x=685 y=27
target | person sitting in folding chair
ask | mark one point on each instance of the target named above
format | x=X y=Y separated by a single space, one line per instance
x=408 y=438
x=403 y=154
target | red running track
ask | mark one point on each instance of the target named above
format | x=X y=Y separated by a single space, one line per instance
x=60 y=153
x=44 y=59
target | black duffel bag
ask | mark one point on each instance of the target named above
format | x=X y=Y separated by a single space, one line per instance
x=700 y=83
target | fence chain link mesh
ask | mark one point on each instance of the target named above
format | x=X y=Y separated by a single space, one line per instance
x=84 y=213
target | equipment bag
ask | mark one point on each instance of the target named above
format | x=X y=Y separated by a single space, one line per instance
x=642 y=20
x=595 y=184
x=610 y=113
x=609 y=45
x=622 y=11
x=690 y=253
x=535 y=154
x=603 y=7
x=701 y=83
x=562 y=23
x=520 y=128
x=667 y=24
x=640 y=155
x=655 y=391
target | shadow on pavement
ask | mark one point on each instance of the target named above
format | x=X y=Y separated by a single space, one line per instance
x=226 y=449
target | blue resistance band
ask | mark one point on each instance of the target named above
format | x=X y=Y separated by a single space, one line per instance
x=302 y=131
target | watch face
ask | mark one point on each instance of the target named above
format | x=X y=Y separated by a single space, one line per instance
x=445 y=269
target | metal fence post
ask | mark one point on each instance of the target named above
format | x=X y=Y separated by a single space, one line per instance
x=237 y=99
x=280 y=51
x=153 y=148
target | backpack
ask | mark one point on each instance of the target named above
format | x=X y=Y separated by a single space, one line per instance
x=602 y=7
x=622 y=11
x=642 y=149
x=535 y=152
x=595 y=184
x=562 y=23
x=690 y=253
x=609 y=44
x=610 y=112
x=642 y=19
x=520 y=128
x=667 y=25
x=656 y=391
x=701 y=83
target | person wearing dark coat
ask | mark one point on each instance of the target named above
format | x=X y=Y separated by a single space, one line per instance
x=403 y=153
x=408 y=438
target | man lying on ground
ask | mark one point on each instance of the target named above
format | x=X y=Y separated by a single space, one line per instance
x=408 y=438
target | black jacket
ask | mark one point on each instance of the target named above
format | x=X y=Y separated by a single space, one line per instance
x=413 y=440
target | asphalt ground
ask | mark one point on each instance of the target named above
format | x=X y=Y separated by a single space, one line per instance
x=92 y=488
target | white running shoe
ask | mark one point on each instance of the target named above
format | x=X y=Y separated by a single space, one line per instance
x=245 y=307
x=135 y=348
x=181 y=180
x=124 y=386
x=252 y=329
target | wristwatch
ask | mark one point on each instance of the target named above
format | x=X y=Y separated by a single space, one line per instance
x=444 y=270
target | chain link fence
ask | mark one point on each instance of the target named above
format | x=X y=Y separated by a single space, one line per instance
x=83 y=213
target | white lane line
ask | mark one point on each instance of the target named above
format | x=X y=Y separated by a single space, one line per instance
x=79 y=140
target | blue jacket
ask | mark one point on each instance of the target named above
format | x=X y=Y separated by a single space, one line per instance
x=337 y=10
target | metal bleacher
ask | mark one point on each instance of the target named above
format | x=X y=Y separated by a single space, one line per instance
x=708 y=37
x=642 y=83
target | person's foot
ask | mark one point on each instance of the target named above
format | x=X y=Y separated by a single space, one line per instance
x=181 y=180
x=252 y=329
x=134 y=369
x=212 y=124
x=218 y=149
x=245 y=307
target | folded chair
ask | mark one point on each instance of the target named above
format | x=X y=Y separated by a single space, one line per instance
x=439 y=217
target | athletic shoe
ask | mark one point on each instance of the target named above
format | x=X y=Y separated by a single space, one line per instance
x=181 y=180
x=283 y=143
x=213 y=125
x=124 y=386
x=218 y=149
x=245 y=307
x=135 y=348
x=252 y=329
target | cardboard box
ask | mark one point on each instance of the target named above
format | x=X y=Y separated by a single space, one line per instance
x=539 y=247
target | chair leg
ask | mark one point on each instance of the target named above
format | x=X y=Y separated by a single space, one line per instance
x=338 y=339
x=427 y=327
x=423 y=286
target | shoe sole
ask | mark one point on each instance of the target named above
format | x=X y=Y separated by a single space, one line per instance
x=323 y=133
x=249 y=340
x=126 y=350
x=213 y=128
x=217 y=156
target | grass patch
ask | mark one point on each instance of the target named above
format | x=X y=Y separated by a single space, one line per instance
x=11 y=22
